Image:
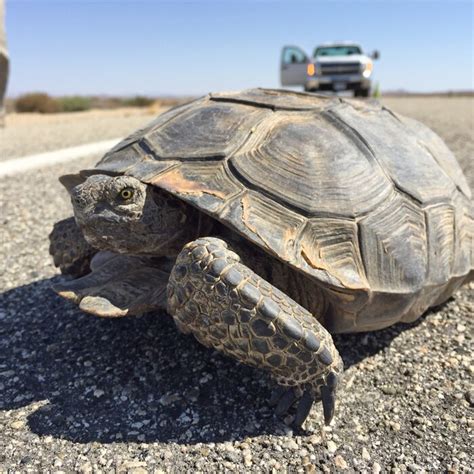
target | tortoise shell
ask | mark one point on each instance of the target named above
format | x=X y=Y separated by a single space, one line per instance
x=370 y=205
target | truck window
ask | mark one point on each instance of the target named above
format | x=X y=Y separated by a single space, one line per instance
x=337 y=51
x=293 y=56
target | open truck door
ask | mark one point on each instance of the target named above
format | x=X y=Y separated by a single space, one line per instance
x=294 y=62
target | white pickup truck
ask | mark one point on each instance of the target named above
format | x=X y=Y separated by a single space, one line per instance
x=333 y=67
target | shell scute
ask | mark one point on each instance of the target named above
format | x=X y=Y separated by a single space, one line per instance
x=274 y=99
x=205 y=184
x=394 y=246
x=411 y=166
x=261 y=219
x=211 y=131
x=305 y=163
x=332 y=245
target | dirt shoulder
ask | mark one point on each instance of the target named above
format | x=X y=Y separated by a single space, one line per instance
x=31 y=133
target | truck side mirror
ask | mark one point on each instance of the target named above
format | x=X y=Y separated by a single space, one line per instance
x=375 y=54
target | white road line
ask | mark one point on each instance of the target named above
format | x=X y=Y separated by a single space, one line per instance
x=25 y=163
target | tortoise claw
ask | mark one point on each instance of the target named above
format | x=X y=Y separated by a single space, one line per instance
x=286 y=401
x=328 y=397
x=304 y=407
x=277 y=393
x=285 y=398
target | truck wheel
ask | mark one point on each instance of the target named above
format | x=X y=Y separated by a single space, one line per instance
x=361 y=92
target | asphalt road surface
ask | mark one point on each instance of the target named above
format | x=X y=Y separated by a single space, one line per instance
x=78 y=393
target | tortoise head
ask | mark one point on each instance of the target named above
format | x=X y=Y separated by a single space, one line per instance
x=124 y=215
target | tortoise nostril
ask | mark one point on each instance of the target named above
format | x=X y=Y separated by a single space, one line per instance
x=76 y=201
x=99 y=208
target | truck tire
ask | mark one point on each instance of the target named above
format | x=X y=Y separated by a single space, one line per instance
x=361 y=92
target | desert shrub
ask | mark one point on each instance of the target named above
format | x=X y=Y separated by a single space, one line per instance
x=138 y=101
x=74 y=103
x=37 y=102
x=106 y=102
x=377 y=93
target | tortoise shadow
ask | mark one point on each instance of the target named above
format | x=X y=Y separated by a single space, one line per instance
x=132 y=379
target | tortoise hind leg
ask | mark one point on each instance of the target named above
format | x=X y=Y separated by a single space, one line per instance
x=225 y=305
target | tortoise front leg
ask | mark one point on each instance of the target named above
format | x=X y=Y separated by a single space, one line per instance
x=225 y=305
x=106 y=284
x=119 y=285
x=70 y=251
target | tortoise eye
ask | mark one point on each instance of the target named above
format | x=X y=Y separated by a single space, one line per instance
x=126 y=194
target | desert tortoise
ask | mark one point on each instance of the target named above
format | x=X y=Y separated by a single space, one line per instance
x=263 y=221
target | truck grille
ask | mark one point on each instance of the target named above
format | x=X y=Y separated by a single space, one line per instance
x=333 y=69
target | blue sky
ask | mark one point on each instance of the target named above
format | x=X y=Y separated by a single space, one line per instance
x=173 y=48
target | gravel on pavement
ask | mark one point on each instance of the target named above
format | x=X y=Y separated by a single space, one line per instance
x=83 y=394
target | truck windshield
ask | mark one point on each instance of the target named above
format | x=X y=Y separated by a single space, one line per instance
x=337 y=51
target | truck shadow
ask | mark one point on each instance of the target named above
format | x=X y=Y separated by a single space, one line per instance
x=133 y=379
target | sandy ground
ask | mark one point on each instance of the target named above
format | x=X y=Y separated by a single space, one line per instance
x=78 y=393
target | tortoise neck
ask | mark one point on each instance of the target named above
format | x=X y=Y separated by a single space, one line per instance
x=204 y=225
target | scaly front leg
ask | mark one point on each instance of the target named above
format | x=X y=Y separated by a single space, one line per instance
x=230 y=308
x=119 y=285
x=106 y=284
x=70 y=251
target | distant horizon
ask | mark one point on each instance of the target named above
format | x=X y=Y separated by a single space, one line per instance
x=188 y=48
x=459 y=92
